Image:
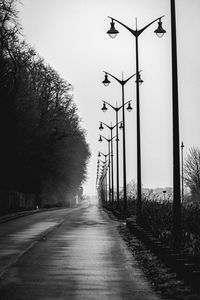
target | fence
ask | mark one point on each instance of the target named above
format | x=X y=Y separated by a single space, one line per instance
x=11 y=201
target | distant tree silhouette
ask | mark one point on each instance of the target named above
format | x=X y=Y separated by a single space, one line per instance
x=43 y=148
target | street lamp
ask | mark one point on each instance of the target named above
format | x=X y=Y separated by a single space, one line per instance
x=112 y=31
x=111 y=130
x=122 y=82
x=182 y=177
x=110 y=151
x=129 y=108
x=160 y=31
x=105 y=157
x=103 y=182
x=104 y=108
x=136 y=33
x=117 y=109
x=177 y=231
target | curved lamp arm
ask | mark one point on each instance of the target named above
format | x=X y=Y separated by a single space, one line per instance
x=110 y=127
x=122 y=82
x=110 y=105
x=108 y=140
x=116 y=108
x=136 y=33
x=128 y=28
x=124 y=104
x=105 y=155
x=113 y=138
x=141 y=30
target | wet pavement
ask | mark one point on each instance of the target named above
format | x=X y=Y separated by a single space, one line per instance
x=68 y=254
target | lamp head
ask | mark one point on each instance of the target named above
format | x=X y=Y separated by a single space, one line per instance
x=101 y=126
x=106 y=81
x=100 y=139
x=112 y=31
x=160 y=31
x=104 y=108
x=121 y=126
x=129 y=108
x=139 y=79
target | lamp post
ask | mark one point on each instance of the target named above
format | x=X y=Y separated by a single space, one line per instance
x=177 y=231
x=182 y=169
x=136 y=33
x=122 y=82
x=105 y=156
x=101 y=174
x=103 y=183
x=110 y=151
x=105 y=175
x=111 y=130
x=117 y=109
x=101 y=153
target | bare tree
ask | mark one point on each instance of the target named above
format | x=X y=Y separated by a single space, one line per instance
x=192 y=172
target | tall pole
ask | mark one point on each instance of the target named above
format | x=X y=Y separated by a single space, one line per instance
x=106 y=196
x=106 y=187
x=182 y=177
x=109 y=184
x=176 y=152
x=124 y=152
x=112 y=173
x=112 y=164
x=139 y=188
x=113 y=32
x=117 y=156
x=122 y=82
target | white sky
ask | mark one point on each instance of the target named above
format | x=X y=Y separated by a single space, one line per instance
x=71 y=36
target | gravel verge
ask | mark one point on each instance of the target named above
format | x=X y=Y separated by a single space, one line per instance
x=163 y=280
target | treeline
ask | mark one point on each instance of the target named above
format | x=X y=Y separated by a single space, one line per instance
x=43 y=148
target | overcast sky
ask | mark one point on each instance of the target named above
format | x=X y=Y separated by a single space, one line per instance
x=71 y=36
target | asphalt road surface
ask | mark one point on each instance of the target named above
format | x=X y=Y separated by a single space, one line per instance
x=68 y=254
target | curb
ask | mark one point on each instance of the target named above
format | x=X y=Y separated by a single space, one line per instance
x=25 y=213
x=185 y=266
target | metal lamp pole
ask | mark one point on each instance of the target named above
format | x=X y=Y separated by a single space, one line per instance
x=176 y=145
x=103 y=183
x=105 y=156
x=136 y=33
x=182 y=167
x=117 y=109
x=110 y=151
x=122 y=82
x=104 y=178
x=111 y=130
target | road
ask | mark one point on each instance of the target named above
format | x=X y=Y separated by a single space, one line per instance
x=68 y=254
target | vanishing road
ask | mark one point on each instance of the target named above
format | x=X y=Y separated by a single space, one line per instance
x=68 y=254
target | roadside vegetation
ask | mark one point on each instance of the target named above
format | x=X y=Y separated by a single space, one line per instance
x=43 y=146
x=157 y=207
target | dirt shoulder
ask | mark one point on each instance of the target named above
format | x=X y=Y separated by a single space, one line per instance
x=163 y=280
